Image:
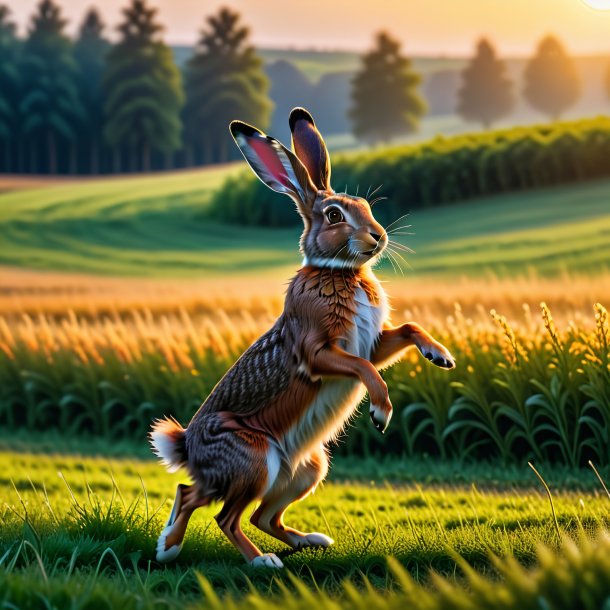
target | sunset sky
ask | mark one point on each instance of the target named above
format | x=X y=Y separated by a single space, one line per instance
x=425 y=26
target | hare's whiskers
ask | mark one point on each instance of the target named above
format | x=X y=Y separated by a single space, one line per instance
x=393 y=257
x=371 y=194
x=386 y=254
x=377 y=199
x=400 y=246
x=395 y=252
x=397 y=220
x=399 y=229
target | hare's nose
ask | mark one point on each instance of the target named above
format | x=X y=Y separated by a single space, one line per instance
x=376 y=236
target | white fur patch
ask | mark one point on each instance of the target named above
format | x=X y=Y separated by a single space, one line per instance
x=368 y=324
x=164 y=448
x=327 y=263
x=273 y=466
x=164 y=555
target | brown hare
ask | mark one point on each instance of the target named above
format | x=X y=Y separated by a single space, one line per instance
x=262 y=433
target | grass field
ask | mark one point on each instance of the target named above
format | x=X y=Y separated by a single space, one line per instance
x=157 y=227
x=73 y=527
x=161 y=301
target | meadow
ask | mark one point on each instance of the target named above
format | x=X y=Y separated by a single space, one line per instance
x=158 y=227
x=442 y=512
x=79 y=532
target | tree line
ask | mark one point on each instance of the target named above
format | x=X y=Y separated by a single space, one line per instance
x=88 y=106
x=386 y=101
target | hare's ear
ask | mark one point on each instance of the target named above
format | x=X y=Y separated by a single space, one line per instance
x=274 y=164
x=309 y=147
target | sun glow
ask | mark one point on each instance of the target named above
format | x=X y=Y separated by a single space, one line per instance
x=599 y=5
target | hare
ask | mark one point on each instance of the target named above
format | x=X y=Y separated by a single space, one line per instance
x=262 y=434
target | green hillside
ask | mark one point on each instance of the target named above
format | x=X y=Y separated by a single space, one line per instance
x=157 y=226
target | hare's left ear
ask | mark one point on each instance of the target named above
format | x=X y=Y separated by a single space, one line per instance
x=275 y=165
x=309 y=147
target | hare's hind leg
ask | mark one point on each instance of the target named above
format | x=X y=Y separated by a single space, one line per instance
x=268 y=517
x=170 y=540
x=229 y=521
x=246 y=474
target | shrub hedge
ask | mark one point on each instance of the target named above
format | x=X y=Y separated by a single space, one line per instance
x=441 y=171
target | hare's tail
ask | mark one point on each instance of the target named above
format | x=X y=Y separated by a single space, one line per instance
x=168 y=443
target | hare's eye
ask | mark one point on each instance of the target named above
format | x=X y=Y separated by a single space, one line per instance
x=334 y=216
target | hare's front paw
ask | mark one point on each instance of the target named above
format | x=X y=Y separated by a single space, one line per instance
x=381 y=415
x=438 y=354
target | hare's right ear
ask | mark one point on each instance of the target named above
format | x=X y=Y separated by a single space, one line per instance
x=308 y=144
x=275 y=165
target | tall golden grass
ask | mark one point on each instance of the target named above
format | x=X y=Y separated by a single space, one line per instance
x=430 y=299
x=104 y=356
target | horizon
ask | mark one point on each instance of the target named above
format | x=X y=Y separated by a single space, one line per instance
x=514 y=26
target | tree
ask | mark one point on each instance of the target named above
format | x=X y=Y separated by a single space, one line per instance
x=224 y=80
x=385 y=100
x=9 y=88
x=143 y=90
x=50 y=105
x=552 y=82
x=486 y=93
x=90 y=53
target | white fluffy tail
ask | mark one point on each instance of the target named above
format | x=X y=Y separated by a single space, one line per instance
x=168 y=443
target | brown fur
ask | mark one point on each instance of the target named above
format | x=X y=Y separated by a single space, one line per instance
x=262 y=432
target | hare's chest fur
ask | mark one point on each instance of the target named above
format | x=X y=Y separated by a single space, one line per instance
x=337 y=398
x=367 y=324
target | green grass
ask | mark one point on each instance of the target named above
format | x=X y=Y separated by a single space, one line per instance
x=76 y=526
x=401 y=470
x=157 y=226
x=552 y=230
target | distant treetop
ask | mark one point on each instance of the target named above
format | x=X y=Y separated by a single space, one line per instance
x=385 y=98
x=552 y=82
x=486 y=94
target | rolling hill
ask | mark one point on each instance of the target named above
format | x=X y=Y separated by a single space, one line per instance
x=156 y=226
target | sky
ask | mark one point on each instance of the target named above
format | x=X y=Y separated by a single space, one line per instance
x=426 y=27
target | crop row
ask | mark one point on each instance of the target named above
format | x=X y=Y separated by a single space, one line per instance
x=441 y=171
x=529 y=390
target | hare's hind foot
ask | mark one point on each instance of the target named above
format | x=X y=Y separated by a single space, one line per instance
x=165 y=551
x=169 y=543
x=315 y=539
x=268 y=560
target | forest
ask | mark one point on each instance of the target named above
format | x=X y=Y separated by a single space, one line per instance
x=88 y=105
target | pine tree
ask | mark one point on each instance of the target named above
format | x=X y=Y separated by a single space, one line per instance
x=224 y=80
x=486 y=93
x=90 y=52
x=50 y=105
x=9 y=90
x=385 y=100
x=552 y=82
x=143 y=90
